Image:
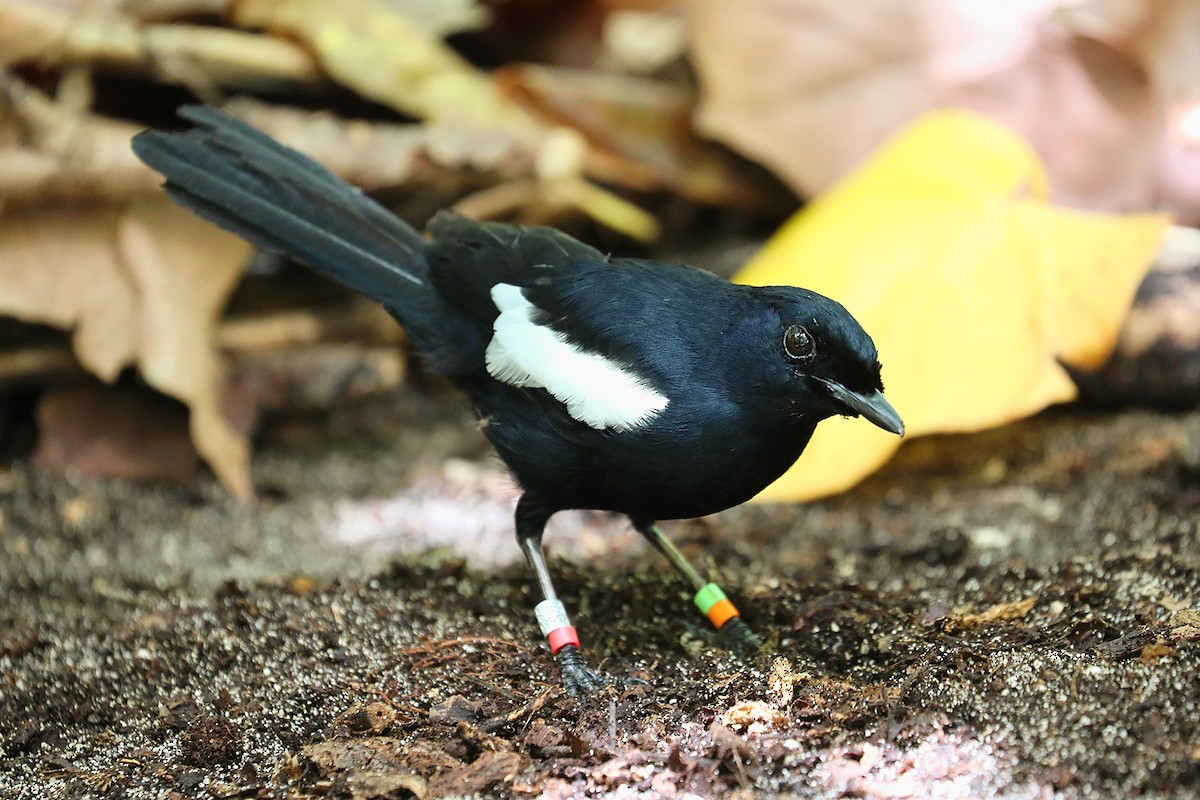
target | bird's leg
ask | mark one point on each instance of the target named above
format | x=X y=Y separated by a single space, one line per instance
x=712 y=602
x=578 y=677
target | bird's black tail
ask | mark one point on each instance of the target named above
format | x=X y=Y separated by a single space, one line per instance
x=246 y=182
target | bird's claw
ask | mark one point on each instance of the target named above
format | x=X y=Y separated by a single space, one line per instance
x=736 y=637
x=580 y=680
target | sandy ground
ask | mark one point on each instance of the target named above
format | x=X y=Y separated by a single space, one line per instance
x=1011 y=614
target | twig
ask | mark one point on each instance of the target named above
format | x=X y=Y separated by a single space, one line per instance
x=385 y=697
x=612 y=723
x=526 y=709
x=490 y=687
x=250 y=334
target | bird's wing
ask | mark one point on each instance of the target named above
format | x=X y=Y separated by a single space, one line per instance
x=605 y=338
x=467 y=258
x=653 y=316
x=601 y=337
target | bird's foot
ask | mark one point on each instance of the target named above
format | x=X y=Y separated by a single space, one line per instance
x=580 y=680
x=736 y=637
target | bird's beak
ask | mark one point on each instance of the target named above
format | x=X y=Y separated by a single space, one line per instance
x=873 y=407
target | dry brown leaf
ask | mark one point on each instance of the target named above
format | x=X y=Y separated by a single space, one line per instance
x=370 y=155
x=139 y=287
x=368 y=785
x=781 y=682
x=201 y=57
x=1186 y=616
x=810 y=87
x=184 y=269
x=375 y=48
x=1185 y=633
x=445 y=17
x=60 y=267
x=107 y=431
x=386 y=55
x=783 y=79
x=639 y=132
x=53 y=153
x=753 y=716
x=1001 y=612
x=50 y=152
x=1153 y=653
x=483 y=773
x=368 y=753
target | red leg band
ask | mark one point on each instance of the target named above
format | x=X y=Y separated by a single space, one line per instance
x=561 y=637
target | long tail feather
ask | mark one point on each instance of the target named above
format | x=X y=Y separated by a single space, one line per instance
x=242 y=180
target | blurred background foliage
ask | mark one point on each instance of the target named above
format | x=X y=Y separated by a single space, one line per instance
x=138 y=341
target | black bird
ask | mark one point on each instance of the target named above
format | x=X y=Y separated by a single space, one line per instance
x=650 y=389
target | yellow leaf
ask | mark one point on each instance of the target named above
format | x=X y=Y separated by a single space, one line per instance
x=973 y=287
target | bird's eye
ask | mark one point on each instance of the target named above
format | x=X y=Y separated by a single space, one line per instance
x=798 y=344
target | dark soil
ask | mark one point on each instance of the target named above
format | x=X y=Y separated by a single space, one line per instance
x=1009 y=614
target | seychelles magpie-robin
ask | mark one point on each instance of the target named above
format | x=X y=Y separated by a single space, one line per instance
x=654 y=390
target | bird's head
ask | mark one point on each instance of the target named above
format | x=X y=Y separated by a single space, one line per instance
x=823 y=362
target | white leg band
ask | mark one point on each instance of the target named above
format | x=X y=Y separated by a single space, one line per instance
x=551 y=615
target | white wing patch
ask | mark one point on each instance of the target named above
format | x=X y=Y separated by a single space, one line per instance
x=596 y=390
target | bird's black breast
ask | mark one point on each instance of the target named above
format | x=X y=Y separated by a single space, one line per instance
x=692 y=461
